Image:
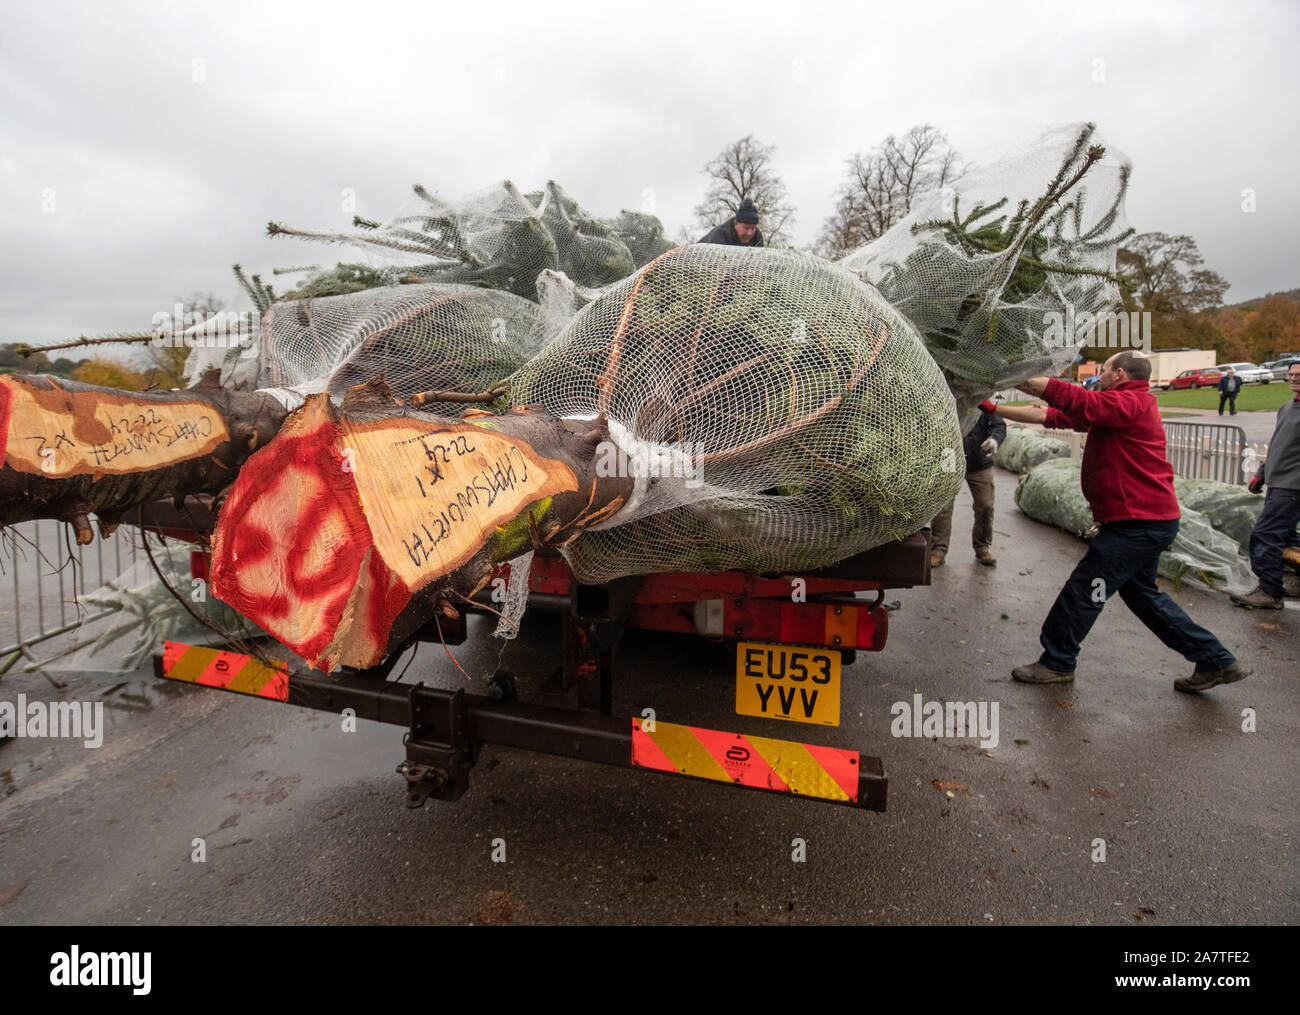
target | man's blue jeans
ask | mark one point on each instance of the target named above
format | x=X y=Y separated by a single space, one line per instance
x=1274 y=530
x=1123 y=558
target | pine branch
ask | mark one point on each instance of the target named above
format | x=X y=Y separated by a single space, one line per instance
x=26 y=351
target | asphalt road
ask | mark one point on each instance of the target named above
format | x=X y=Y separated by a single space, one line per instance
x=305 y=823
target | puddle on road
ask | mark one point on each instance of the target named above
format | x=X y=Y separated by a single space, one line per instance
x=23 y=758
x=141 y=695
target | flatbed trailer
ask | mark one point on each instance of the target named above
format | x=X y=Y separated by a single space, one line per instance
x=793 y=633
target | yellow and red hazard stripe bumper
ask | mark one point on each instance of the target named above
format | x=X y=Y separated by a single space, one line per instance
x=230 y=671
x=784 y=766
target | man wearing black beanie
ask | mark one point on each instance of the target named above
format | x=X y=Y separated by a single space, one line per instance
x=741 y=231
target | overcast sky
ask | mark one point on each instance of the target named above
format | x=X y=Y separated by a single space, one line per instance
x=144 y=146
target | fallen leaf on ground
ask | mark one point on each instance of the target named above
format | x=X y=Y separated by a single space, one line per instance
x=498 y=908
x=7 y=895
x=941 y=784
x=1101 y=793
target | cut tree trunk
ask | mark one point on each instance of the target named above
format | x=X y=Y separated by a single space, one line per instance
x=356 y=525
x=72 y=449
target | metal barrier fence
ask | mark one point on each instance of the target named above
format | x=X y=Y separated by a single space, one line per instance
x=43 y=572
x=1217 y=451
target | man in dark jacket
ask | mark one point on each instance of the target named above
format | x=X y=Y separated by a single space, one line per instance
x=1274 y=531
x=979 y=445
x=1229 y=385
x=740 y=231
x=1129 y=484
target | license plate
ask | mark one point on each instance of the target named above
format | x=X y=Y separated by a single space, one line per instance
x=788 y=682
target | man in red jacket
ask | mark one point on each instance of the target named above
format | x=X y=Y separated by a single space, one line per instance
x=1129 y=485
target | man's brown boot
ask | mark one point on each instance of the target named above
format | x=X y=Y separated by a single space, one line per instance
x=1257 y=599
x=1037 y=673
x=1203 y=680
x=936 y=558
x=986 y=558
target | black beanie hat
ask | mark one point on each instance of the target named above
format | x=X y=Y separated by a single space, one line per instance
x=747 y=213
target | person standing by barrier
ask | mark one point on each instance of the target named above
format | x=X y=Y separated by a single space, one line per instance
x=1274 y=531
x=1129 y=485
x=979 y=445
x=1229 y=385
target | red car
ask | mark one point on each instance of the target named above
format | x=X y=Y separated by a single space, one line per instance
x=1206 y=377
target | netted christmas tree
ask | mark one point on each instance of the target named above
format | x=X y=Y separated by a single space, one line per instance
x=498 y=238
x=780 y=413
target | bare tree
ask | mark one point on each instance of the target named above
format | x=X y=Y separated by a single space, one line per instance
x=1164 y=274
x=743 y=170
x=883 y=184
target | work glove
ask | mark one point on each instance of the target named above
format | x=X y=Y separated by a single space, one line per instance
x=1256 y=485
x=988 y=407
x=989 y=446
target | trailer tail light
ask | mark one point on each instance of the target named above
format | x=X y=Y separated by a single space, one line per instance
x=840 y=625
x=802 y=626
x=873 y=628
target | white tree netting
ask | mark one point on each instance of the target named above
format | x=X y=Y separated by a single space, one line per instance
x=500 y=238
x=418 y=338
x=516 y=599
x=776 y=412
x=980 y=266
